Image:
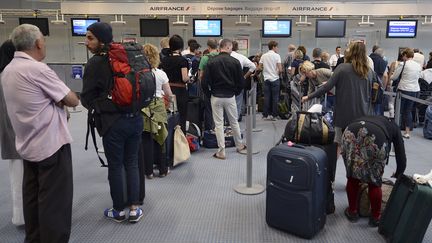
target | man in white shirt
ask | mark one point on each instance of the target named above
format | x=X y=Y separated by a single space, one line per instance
x=418 y=57
x=271 y=65
x=334 y=58
x=245 y=63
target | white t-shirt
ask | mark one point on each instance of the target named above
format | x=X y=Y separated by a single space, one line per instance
x=270 y=60
x=410 y=76
x=161 y=78
x=244 y=61
x=333 y=59
x=419 y=58
x=186 y=51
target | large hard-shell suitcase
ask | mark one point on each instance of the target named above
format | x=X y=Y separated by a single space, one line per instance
x=173 y=121
x=408 y=212
x=296 y=189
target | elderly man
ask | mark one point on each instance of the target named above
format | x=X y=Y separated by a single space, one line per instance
x=35 y=98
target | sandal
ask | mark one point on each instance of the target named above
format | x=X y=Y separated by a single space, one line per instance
x=218 y=156
x=242 y=150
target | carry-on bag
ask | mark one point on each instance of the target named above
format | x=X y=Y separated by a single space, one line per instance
x=304 y=125
x=181 y=147
x=296 y=189
x=364 y=209
x=408 y=212
x=209 y=140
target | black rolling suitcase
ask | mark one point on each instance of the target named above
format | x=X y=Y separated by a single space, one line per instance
x=296 y=189
x=173 y=121
x=408 y=212
x=195 y=111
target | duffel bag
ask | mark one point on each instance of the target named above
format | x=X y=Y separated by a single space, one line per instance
x=309 y=128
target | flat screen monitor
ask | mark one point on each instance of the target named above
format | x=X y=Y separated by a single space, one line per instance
x=79 y=25
x=207 y=27
x=154 y=27
x=276 y=27
x=41 y=23
x=330 y=28
x=401 y=28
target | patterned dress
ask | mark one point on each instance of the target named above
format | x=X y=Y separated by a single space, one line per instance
x=364 y=150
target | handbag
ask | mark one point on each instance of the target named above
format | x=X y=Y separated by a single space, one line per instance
x=181 y=147
x=395 y=82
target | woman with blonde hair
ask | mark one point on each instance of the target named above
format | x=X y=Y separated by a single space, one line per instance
x=316 y=77
x=155 y=118
x=298 y=59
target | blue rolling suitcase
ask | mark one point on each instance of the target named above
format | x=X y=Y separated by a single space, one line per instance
x=296 y=189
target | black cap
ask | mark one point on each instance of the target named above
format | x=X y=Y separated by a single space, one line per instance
x=102 y=31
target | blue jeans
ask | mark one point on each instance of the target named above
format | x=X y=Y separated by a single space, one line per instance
x=331 y=100
x=406 y=108
x=378 y=109
x=271 y=97
x=121 y=144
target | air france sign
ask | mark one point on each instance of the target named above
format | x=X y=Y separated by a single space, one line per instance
x=312 y=9
x=241 y=8
x=172 y=9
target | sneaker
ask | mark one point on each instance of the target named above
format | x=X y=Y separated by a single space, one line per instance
x=373 y=222
x=406 y=135
x=149 y=177
x=117 y=216
x=161 y=175
x=352 y=217
x=135 y=215
x=270 y=118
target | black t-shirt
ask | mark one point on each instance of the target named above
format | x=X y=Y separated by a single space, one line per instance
x=172 y=66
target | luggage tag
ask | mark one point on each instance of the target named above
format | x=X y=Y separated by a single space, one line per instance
x=292 y=144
